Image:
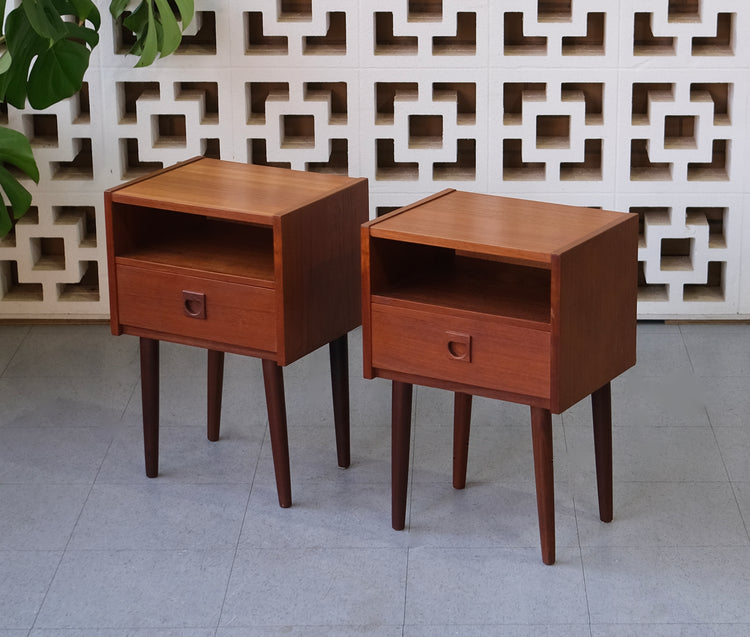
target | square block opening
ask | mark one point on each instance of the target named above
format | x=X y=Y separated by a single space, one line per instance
x=297 y=131
x=386 y=94
x=43 y=129
x=683 y=10
x=677 y=254
x=553 y=131
x=555 y=10
x=295 y=10
x=425 y=131
x=425 y=10
x=48 y=253
x=171 y=131
x=679 y=131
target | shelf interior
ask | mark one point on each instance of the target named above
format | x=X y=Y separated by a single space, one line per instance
x=438 y=277
x=206 y=246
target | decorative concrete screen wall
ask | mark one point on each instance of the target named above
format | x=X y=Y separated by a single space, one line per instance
x=633 y=105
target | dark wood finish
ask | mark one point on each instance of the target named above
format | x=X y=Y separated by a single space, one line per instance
x=339 y=356
x=150 y=401
x=273 y=380
x=461 y=429
x=541 y=434
x=417 y=341
x=238 y=258
x=400 y=444
x=215 y=389
x=601 y=406
x=517 y=300
x=243 y=315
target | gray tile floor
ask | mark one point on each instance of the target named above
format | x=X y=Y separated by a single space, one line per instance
x=90 y=546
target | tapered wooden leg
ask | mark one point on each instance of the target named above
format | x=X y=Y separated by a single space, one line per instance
x=273 y=379
x=541 y=434
x=400 y=441
x=601 y=406
x=150 y=400
x=215 y=387
x=461 y=428
x=339 y=355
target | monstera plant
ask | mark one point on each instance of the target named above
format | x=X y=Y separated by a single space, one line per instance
x=45 y=46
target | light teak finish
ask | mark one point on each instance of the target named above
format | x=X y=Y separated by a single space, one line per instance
x=511 y=299
x=238 y=258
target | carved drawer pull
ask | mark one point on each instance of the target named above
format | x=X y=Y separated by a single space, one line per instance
x=194 y=304
x=459 y=346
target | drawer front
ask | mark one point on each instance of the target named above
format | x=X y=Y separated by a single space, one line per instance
x=197 y=307
x=482 y=352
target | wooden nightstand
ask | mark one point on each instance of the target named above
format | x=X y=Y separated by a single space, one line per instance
x=522 y=301
x=238 y=258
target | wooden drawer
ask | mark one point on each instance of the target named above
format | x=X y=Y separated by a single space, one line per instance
x=223 y=312
x=485 y=352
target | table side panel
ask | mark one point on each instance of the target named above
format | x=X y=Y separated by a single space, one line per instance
x=594 y=290
x=114 y=310
x=317 y=260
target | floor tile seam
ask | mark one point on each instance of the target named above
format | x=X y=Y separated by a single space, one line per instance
x=266 y=434
x=745 y=521
x=15 y=353
x=580 y=556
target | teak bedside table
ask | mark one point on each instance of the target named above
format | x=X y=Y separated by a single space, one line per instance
x=528 y=302
x=238 y=258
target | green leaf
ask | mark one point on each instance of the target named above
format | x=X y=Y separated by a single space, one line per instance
x=57 y=73
x=15 y=149
x=18 y=196
x=23 y=45
x=187 y=10
x=44 y=18
x=2 y=14
x=150 y=39
x=171 y=34
x=5 y=61
x=86 y=10
x=5 y=223
x=117 y=8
